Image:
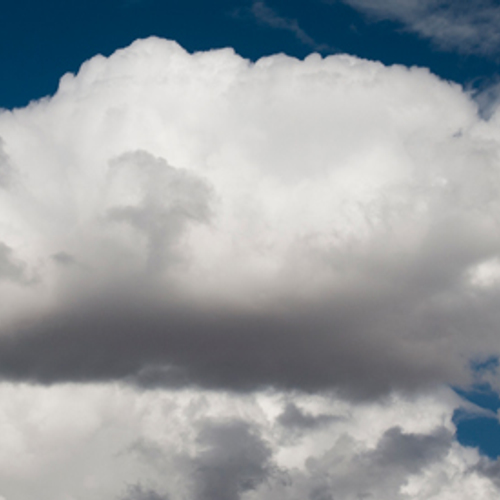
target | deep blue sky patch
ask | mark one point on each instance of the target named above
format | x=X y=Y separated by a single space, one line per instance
x=479 y=431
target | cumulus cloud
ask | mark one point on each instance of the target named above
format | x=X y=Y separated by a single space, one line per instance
x=106 y=442
x=451 y=24
x=282 y=264
x=317 y=225
x=380 y=472
x=234 y=459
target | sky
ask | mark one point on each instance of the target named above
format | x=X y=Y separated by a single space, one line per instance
x=249 y=250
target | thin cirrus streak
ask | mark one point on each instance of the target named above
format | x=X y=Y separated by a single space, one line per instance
x=453 y=25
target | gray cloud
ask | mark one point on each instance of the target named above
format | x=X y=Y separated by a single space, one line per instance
x=293 y=418
x=137 y=492
x=151 y=346
x=488 y=99
x=169 y=199
x=234 y=459
x=11 y=268
x=451 y=24
x=488 y=468
x=321 y=492
x=227 y=458
x=64 y=259
x=343 y=473
x=410 y=452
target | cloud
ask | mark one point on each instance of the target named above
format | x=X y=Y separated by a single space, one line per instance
x=454 y=25
x=175 y=347
x=268 y=16
x=11 y=268
x=234 y=460
x=488 y=98
x=309 y=225
x=82 y=441
x=380 y=472
x=138 y=493
x=295 y=418
x=6 y=169
x=411 y=451
x=227 y=253
x=169 y=199
x=64 y=259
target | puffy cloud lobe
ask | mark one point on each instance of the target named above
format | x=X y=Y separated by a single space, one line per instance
x=169 y=198
x=110 y=442
x=294 y=418
x=381 y=472
x=195 y=219
x=411 y=451
x=234 y=460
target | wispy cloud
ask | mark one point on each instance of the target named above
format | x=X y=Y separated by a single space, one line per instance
x=466 y=27
x=268 y=16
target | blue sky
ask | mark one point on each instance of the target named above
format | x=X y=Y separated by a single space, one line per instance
x=272 y=280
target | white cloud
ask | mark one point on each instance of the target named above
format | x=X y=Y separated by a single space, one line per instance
x=323 y=186
x=199 y=222
x=451 y=24
x=332 y=199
